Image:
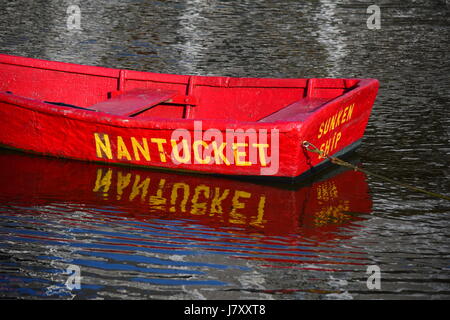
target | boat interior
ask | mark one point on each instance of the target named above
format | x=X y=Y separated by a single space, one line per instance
x=147 y=95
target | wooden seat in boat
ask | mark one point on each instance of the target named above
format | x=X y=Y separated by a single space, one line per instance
x=130 y=103
x=296 y=111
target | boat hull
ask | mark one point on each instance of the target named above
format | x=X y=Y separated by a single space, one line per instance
x=213 y=146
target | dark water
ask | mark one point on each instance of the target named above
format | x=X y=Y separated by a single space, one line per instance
x=144 y=234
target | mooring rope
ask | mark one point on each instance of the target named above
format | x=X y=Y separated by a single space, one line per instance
x=312 y=148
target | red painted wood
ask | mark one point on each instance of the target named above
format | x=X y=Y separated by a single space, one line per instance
x=222 y=105
x=296 y=111
x=134 y=101
x=182 y=99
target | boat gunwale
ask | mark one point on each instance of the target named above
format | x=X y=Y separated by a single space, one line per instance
x=155 y=123
x=170 y=124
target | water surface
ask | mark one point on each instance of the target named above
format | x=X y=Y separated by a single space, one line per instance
x=144 y=234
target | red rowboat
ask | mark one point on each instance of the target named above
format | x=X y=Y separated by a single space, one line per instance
x=218 y=125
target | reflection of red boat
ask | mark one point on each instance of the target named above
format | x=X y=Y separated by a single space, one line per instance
x=222 y=125
x=311 y=209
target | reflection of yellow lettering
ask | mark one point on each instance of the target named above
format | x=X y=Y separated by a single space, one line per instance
x=334 y=191
x=262 y=154
x=218 y=153
x=176 y=153
x=160 y=143
x=122 y=183
x=138 y=187
x=102 y=147
x=235 y=216
x=216 y=202
x=142 y=148
x=158 y=201
x=196 y=146
x=122 y=150
x=103 y=181
x=332 y=214
x=199 y=207
x=259 y=221
x=238 y=154
x=173 y=196
x=327 y=191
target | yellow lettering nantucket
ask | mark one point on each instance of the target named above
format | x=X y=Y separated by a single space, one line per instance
x=122 y=150
x=102 y=145
x=239 y=156
x=262 y=154
x=219 y=157
x=197 y=153
x=142 y=148
x=160 y=142
x=186 y=158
